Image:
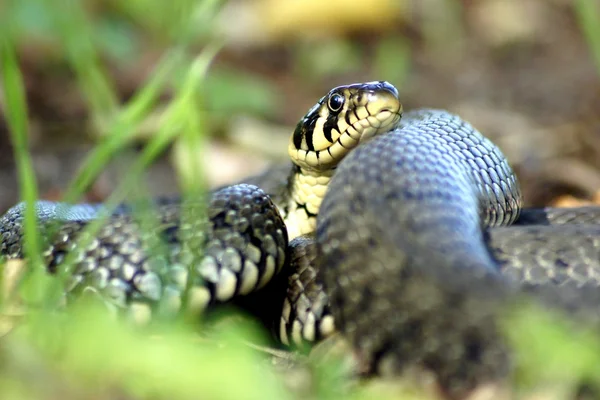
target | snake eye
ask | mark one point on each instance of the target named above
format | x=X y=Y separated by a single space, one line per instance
x=335 y=103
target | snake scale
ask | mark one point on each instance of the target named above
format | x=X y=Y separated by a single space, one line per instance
x=404 y=231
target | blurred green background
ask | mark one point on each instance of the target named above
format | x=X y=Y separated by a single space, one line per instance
x=192 y=93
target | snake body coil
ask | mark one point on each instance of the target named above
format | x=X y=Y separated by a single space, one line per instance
x=207 y=253
x=414 y=257
x=418 y=256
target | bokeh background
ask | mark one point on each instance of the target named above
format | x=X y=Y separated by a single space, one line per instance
x=525 y=72
x=202 y=93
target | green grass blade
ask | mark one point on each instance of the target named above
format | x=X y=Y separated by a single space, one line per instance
x=119 y=135
x=16 y=115
x=156 y=146
x=123 y=130
x=189 y=108
x=189 y=105
x=177 y=117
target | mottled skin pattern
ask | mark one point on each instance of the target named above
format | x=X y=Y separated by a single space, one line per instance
x=404 y=256
x=232 y=246
x=413 y=256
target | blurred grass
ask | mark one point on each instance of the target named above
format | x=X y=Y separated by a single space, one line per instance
x=88 y=353
x=17 y=119
x=171 y=368
x=552 y=352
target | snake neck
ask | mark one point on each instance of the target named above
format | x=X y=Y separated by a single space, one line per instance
x=306 y=189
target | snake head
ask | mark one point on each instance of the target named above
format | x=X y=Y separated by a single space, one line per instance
x=340 y=120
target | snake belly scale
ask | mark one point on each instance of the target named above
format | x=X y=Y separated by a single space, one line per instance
x=394 y=225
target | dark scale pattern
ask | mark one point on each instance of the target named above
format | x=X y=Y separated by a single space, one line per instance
x=411 y=275
x=112 y=262
x=535 y=256
x=305 y=316
x=542 y=255
x=405 y=260
x=413 y=204
x=239 y=248
x=295 y=300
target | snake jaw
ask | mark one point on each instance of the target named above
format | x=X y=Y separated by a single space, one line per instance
x=340 y=121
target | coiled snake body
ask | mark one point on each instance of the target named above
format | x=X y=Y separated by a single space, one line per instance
x=411 y=251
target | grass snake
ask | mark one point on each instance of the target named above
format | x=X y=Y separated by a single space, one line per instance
x=411 y=243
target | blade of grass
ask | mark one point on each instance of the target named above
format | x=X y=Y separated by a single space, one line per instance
x=16 y=115
x=77 y=39
x=121 y=132
x=123 y=129
x=153 y=149
x=177 y=117
x=190 y=105
x=569 y=353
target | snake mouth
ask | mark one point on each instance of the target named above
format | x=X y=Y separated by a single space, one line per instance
x=345 y=117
